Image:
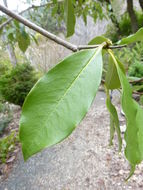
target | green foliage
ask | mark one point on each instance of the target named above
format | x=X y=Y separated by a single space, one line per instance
x=18 y=35
x=131 y=55
x=6 y=116
x=139 y=19
x=99 y=40
x=133 y=113
x=61 y=99
x=70 y=17
x=138 y=36
x=136 y=70
x=63 y=96
x=125 y=28
x=125 y=25
x=23 y=39
x=7 y=145
x=112 y=79
x=114 y=121
x=15 y=85
x=112 y=33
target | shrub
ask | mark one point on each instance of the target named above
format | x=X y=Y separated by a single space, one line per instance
x=7 y=145
x=6 y=116
x=125 y=25
x=136 y=70
x=4 y=121
x=139 y=19
x=16 y=84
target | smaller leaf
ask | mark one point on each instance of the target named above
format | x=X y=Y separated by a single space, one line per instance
x=114 y=118
x=138 y=36
x=112 y=80
x=70 y=17
x=99 y=40
x=23 y=39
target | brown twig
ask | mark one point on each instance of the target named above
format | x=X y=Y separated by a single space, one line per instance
x=49 y=35
x=29 y=8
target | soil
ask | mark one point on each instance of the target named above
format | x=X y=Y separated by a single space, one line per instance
x=5 y=168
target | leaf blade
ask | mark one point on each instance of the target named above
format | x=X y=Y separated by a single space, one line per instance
x=48 y=117
x=113 y=120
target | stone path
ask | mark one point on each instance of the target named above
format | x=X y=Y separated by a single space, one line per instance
x=84 y=161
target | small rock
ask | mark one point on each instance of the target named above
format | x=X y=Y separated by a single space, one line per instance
x=121 y=172
x=11 y=159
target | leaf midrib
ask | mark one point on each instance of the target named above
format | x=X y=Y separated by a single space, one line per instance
x=70 y=86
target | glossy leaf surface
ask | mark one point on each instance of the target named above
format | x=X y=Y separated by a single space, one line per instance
x=59 y=101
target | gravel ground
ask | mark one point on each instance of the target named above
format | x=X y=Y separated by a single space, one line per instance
x=84 y=161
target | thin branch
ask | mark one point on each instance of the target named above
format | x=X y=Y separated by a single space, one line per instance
x=29 y=8
x=49 y=35
x=38 y=29
x=80 y=47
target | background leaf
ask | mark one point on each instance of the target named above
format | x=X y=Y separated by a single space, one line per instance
x=23 y=39
x=70 y=17
x=59 y=101
x=138 y=36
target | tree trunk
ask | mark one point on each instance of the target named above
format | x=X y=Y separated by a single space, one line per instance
x=132 y=15
x=9 y=47
x=141 y=3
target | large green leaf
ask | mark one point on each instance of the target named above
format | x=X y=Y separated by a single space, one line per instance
x=59 y=101
x=134 y=117
x=70 y=17
x=138 y=36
